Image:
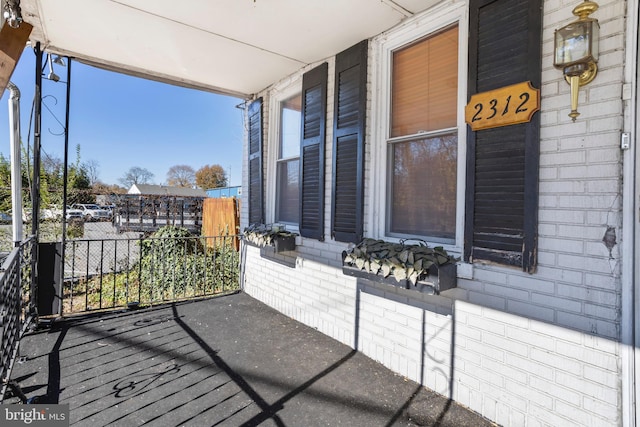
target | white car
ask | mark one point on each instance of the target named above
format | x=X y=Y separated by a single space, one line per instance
x=74 y=213
x=92 y=212
x=51 y=212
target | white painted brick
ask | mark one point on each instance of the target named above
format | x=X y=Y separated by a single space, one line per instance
x=558 y=392
x=530 y=310
x=597 y=201
x=565 y=129
x=578 y=384
x=558 y=303
x=469 y=332
x=547 y=173
x=580 y=231
x=466 y=307
x=606 y=313
x=555 y=360
x=530 y=366
x=602 y=377
x=561 y=215
x=599 y=280
x=547 y=230
x=597 y=358
x=572 y=187
x=526 y=337
x=539 y=398
x=561 y=276
x=486 y=351
x=587 y=264
x=610 y=413
x=506 y=292
x=513 y=401
x=469 y=354
x=561 y=159
x=507 y=344
x=598 y=249
x=587 y=295
x=579 y=415
x=484 y=275
x=588 y=324
x=602 y=344
x=487 y=300
x=546 y=259
x=505 y=371
x=561 y=245
x=509 y=319
x=551 y=418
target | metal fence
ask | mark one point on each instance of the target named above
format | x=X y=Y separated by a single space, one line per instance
x=17 y=305
x=132 y=272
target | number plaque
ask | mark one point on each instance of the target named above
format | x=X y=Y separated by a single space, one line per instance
x=505 y=106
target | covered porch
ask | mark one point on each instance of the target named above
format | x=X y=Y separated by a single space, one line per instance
x=225 y=361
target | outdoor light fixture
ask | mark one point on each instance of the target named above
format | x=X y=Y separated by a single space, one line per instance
x=576 y=51
x=59 y=61
x=52 y=76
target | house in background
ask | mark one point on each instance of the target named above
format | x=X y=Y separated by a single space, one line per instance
x=164 y=190
x=235 y=191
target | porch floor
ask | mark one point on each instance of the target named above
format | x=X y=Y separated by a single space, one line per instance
x=228 y=361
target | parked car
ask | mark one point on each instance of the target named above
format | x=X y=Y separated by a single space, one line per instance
x=92 y=212
x=74 y=213
x=51 y=212
x=109 y=208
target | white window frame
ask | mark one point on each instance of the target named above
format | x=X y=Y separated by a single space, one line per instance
x=429 y=22
x=281 y=92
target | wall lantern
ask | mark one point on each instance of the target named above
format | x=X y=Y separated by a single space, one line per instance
x=576 y=51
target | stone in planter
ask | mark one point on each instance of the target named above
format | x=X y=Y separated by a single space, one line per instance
x=439 y=278
x=417 y=266
x=262 y=236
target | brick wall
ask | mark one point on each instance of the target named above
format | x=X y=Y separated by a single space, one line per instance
x=521 y=349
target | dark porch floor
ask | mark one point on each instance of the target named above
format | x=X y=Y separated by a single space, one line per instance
x=228 y=361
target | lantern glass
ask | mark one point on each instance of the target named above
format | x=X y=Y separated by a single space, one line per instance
x=574 y=43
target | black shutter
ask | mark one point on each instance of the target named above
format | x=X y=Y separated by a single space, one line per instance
x=314 y=115
x=350 y=102
x=505 y=38
x=256 y=205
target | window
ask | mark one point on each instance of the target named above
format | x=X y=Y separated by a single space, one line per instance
x=420 y=133
x=423 y=143
x=288 y=162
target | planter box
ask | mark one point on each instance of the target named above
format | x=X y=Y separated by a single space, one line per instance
x=284 y=243
x=279 y=244
x=439 y=278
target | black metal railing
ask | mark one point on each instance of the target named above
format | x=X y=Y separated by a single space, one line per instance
x=126 y=272
x=17 y=305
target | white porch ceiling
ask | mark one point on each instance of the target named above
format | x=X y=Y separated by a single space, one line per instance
x=235 y=47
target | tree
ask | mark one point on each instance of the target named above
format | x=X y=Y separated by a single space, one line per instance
x=181 y=176
x=211 y=176
x=93 y=171
x=102 y=188
x=136 y=175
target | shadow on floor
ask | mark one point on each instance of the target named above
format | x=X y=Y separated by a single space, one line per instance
x=228 y=361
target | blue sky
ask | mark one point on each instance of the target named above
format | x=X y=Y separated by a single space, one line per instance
x=122 y=121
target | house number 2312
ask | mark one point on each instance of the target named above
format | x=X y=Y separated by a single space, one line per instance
x=505 y=106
